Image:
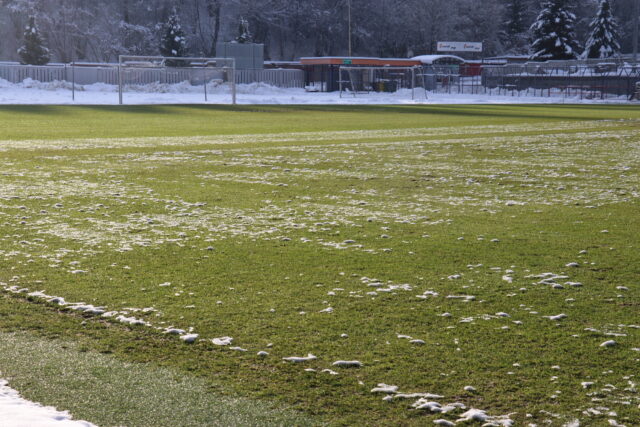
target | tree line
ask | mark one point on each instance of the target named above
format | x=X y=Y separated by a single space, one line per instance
x=100 y=30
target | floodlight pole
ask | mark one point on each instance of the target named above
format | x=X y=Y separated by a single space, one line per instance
x=349 y=12
x=636 y=19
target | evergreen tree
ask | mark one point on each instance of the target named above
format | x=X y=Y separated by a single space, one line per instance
x=514 y=35
x=603 y=40
x=173 y=43
x=553 y=32
x=33 y=52
x=244 y=34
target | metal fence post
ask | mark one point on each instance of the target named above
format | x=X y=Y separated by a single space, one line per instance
x=73 y=80
x=204 y=81
x=413 y=83
x=120 y=84
x=233 y=86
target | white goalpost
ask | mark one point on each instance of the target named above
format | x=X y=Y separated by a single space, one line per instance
x=138 y=71
x=364 y=80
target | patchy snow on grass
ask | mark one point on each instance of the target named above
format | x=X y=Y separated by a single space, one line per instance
x=18 y=412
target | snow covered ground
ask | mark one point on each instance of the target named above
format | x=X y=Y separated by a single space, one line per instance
x=34 y=92
x=18 y=412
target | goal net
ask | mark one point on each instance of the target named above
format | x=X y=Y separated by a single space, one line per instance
x=407 y=81
x=204 y=76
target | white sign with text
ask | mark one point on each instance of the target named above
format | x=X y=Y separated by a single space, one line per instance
x=459 y=47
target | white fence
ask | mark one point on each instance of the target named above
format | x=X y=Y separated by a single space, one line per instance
x=85 y=74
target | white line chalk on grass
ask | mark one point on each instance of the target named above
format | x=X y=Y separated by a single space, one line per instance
x=18 y=412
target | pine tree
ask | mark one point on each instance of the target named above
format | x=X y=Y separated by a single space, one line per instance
x=33 y=52
x=514 y=35
x=553 y=32
x=603 y=40
x=244 y=34
x=173 y=42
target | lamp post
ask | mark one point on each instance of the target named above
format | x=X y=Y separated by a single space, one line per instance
x=636 y=13
x=349 y=12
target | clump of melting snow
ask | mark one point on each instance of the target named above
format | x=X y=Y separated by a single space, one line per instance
x=86 y=308
x=222 y=341
x=427 y=294
x=189 y=338
x=427 y=405
x=132 y=321
x=430 y=396
x=481 y=416
x=557 y=317
x=296 y=359
x=610 y=343
x=384 y=388
x=348 y=363
x=464 y=298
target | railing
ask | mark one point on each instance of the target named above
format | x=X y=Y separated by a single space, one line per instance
x=86 y=74
x=274 y=77
x=18 y=73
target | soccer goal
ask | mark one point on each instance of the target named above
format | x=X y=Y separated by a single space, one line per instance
x=365 y=80
x=186 y=75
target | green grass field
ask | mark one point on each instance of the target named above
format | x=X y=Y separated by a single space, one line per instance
x=439 y=246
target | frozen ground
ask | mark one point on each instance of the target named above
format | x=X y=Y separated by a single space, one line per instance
x=34 y=92
x=18 y=412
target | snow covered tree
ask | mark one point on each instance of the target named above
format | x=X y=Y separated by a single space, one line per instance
x=554 y=33
x=603 y=40
x=244 y=34
x=33 y=52
x=514 y=34
x=173 y=42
